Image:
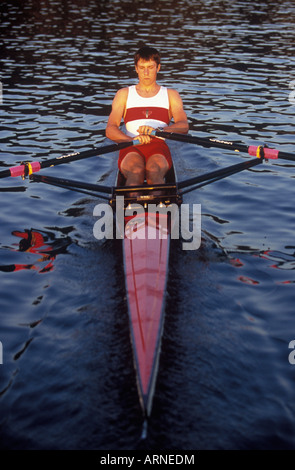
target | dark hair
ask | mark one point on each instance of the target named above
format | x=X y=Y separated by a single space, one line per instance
x=147 y=53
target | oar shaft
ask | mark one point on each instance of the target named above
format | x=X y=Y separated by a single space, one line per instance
x=33 y=167
x=71 y=157
x=258 y=151
x=205 y=142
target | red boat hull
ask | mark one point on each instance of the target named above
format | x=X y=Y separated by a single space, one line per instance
x=146 y=257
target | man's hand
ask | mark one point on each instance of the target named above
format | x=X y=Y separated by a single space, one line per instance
x=144 y=134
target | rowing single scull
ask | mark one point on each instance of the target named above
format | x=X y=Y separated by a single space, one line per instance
x=146 y=246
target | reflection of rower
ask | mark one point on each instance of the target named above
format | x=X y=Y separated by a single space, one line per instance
x=33 y=241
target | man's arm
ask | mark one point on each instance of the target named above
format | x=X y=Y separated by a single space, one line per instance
x=113 y=131
x=180 y=124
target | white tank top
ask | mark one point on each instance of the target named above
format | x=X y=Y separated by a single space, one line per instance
x=141 y=111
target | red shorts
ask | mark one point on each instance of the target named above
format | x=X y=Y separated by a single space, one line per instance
x=157 y=146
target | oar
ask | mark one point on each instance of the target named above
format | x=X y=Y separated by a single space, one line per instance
x=32 y=167
x=259 y=151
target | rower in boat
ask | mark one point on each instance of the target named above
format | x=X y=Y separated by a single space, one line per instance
x=145 y=107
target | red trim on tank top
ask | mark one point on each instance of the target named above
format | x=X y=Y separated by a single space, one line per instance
x=152 y=112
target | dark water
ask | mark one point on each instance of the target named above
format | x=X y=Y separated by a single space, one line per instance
x=67 y=378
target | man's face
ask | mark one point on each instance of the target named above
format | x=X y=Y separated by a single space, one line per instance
x=147 y=71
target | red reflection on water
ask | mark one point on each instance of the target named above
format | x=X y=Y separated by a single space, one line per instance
x=37 y=243
x=34 y=242
x=248 y=280
x=236 y=262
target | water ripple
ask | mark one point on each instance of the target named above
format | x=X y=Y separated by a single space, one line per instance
x=61 y=64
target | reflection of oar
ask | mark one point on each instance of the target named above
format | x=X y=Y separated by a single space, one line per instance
x=32 y=167
x=259 y=151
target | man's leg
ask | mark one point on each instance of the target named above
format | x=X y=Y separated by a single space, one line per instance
x=133 y=168
x=156 y=169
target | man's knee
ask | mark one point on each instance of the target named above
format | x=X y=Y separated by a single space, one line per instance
x=133 y=163
x=136 y=169
x=157 y=164
x=153 y=168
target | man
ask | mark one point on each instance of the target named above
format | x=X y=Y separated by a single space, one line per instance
x=144 y=107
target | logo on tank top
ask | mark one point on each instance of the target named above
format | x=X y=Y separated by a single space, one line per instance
x=147 y=113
